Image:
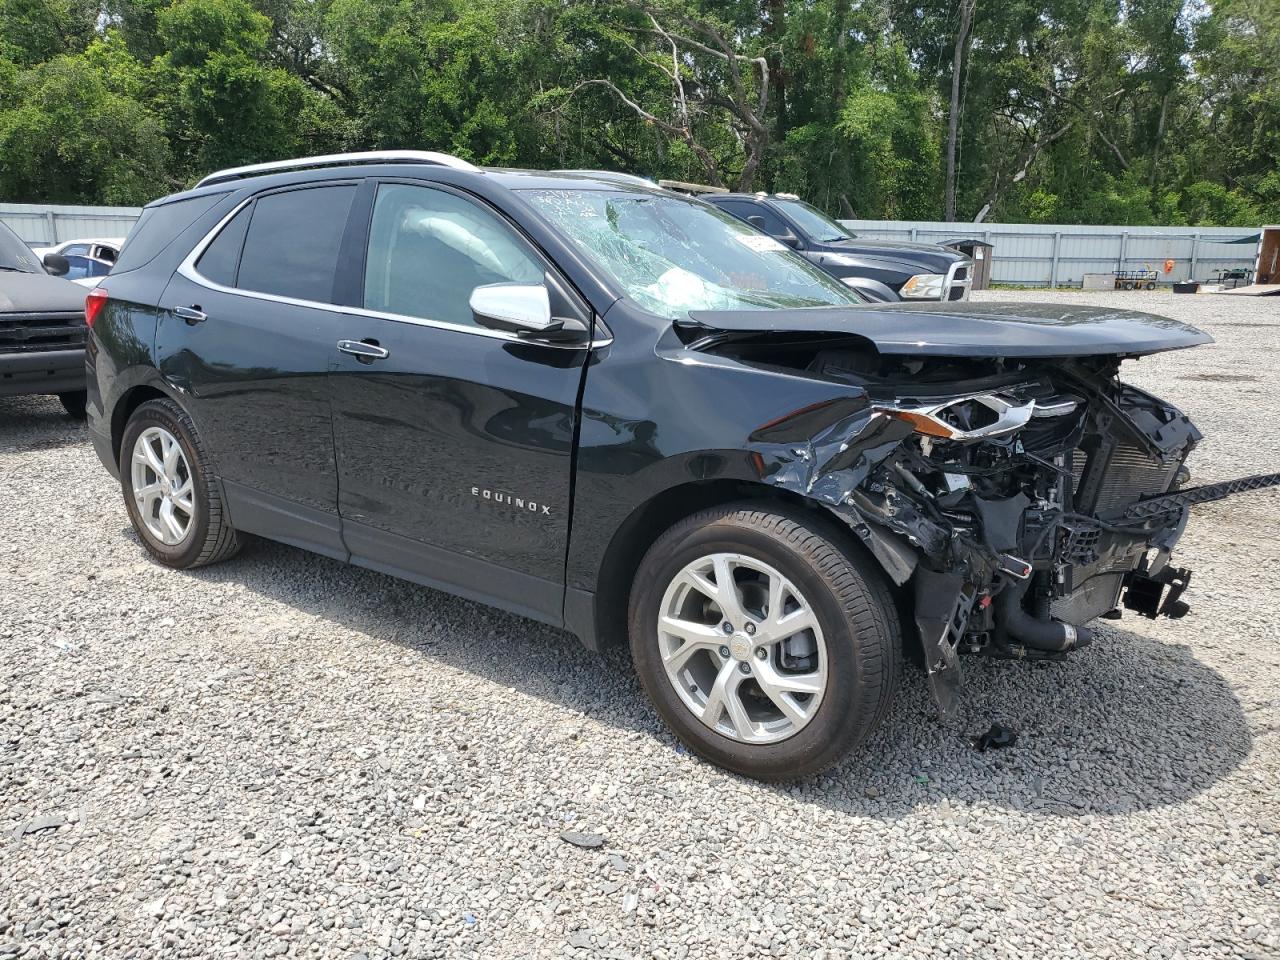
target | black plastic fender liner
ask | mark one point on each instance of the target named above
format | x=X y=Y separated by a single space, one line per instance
x=1014 y=622
x=941 y=611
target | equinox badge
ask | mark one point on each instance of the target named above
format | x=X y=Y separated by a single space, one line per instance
x=497 y=496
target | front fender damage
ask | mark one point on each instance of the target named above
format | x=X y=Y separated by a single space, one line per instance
x=1011 y=515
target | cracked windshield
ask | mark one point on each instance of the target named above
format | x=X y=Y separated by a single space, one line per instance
x=672 y=255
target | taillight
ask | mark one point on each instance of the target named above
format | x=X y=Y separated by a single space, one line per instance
x=93 y=304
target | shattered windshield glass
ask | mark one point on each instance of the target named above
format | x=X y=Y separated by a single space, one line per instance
x=673 y=255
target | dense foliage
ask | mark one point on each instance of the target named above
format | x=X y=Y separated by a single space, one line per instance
x=1104 y=111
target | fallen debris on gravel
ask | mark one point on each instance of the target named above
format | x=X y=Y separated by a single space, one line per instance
x=283 y=756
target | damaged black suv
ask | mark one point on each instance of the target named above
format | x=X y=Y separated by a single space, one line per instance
x=624 y=412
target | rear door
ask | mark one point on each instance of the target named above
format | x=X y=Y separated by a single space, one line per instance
x=247 y=333
x=454 y=445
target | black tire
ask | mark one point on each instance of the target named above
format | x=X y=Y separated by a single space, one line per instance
x=1128 y=284
x=1150 y=285
x=210 y=537
x=74 y=403
x=854 y=609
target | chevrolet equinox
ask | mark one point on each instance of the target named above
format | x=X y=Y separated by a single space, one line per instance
x=624 y=412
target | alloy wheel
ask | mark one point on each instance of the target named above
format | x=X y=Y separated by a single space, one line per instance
x=743 y=648
x=162 y=486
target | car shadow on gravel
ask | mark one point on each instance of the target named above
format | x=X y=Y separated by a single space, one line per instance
x=1127 y=724
x=37 y=423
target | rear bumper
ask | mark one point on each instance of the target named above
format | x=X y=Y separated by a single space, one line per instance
x=45 y=371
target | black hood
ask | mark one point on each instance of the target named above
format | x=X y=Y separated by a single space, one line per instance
x=38 y=293
x=973 y=329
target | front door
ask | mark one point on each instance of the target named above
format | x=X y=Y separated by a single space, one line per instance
x=454 y=442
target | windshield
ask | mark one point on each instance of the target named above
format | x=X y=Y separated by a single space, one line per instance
x=813 y=221
x=16 y=255
x=673 y=255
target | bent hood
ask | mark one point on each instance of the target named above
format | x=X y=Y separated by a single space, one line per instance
x=38 y=293
x=971 y=329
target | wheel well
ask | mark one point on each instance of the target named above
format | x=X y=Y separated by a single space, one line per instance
x=654 y=517
x=124 y=410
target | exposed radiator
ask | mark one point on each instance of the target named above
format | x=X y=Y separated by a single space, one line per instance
x=1127 y=475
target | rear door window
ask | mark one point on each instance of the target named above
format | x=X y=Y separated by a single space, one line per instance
x=292 y=242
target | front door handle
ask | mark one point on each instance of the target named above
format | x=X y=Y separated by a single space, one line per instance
x=192 y=315
x=366 y=351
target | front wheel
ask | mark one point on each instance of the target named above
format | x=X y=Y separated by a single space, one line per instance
x=767 y=647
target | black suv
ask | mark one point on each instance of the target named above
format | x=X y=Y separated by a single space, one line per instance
x=42 y=329
x=617 y=410
x=883 y=270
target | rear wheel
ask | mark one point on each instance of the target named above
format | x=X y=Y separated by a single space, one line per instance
x=74 y=403
x=169 y=491
x=766 y=647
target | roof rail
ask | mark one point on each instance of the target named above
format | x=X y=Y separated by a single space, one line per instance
x=338 y=160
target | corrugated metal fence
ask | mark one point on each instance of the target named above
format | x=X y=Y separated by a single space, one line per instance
x=1051 y=255
x=43 y=224
x=1036 y=255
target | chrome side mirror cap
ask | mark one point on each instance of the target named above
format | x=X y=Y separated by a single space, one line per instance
x=520 y=308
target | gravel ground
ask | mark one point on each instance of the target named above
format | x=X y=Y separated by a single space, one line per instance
x=280 y=756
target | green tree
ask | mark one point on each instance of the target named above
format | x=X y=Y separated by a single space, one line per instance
x=66 y=137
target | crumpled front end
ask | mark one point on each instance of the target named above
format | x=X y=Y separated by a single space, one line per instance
x=1014 y=501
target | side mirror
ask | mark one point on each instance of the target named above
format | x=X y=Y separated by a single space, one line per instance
x=790 y=239
x=756 y=221
x=520 y=308
x=57 y=264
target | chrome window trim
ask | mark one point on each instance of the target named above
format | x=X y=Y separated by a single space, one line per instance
x=188 y=270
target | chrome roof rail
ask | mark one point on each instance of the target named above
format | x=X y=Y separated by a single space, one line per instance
x=339 y=160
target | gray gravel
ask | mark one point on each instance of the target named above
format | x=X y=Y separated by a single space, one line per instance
x=280 y=756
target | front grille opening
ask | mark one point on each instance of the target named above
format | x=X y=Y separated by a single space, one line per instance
x=32 y=334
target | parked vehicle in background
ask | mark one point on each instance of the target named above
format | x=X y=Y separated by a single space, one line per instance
x=87 y=260
x=623 y=412
x=906 y=271
x=42 y=328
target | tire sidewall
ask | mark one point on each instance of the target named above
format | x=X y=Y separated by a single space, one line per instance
x=165 y=414
x=830 y=733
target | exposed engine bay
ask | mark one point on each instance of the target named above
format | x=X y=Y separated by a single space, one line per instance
x=1015 y=500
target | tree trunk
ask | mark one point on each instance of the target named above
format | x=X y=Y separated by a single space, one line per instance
x=1155 y=148
x=953 y=118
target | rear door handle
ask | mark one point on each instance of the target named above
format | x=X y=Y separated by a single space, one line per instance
x=192 y=315
x=366 y=351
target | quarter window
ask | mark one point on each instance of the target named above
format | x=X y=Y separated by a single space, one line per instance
x=428 y=250
x=291 y=246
